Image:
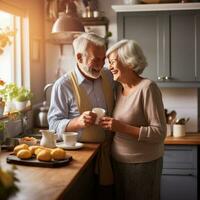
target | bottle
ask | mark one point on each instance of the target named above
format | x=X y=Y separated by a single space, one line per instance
x=2 y=106
x=89 y=10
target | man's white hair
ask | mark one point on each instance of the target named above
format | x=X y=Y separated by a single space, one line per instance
x=129 y=54
x=81 y=42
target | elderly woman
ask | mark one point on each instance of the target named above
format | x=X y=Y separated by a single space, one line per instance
x=139 y=125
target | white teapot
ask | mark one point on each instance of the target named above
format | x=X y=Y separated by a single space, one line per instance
x=48 y=138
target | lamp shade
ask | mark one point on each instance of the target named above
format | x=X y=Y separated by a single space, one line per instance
x=66 y=27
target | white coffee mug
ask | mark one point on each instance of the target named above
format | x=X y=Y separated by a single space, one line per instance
x=100 y=112
x=178 y=130
x=70 y=138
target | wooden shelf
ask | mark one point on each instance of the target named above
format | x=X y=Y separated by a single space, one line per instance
x=94 y=21
x=6 y=115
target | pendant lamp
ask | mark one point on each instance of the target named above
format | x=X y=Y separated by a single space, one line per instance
x=67 y=26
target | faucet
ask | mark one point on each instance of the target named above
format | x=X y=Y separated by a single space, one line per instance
x=46 y=88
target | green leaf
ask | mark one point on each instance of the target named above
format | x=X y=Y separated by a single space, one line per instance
x=12 y=91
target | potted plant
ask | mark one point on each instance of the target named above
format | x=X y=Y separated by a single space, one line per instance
x=21 y=99
x=12 y=94
x=8 y=181
x=8 y=92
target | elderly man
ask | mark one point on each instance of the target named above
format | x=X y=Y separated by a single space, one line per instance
x=75 y=94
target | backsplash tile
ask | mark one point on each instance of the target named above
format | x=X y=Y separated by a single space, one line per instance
x=184 y=102
x=180 y=97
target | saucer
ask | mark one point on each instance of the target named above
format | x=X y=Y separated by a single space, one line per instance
x=78 y=145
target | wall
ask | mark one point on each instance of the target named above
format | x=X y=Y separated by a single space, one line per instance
x=105 y=6
x=184 y=101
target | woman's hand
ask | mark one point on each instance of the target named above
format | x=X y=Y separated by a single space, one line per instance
x=109 y=123
x=114 y=125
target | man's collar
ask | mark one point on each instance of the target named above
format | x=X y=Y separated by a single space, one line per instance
x=80 y=77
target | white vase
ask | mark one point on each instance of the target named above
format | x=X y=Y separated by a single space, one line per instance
x=20 y=105
x=9 y=107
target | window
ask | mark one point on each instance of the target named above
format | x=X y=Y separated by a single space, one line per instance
x=7 y=56
x=14 y=63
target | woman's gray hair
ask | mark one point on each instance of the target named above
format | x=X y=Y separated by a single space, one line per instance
x=129 y=54
x=81 y=42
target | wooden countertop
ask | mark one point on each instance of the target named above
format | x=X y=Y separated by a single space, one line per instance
x=50 y=183
x=190 y=139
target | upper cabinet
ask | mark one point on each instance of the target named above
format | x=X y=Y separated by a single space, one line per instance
x=170 y=37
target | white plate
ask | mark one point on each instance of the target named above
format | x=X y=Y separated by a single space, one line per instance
x=78 y=145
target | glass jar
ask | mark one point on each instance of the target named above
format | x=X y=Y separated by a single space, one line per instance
x=2 y=106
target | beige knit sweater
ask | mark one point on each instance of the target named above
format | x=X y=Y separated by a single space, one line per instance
x=143 y=108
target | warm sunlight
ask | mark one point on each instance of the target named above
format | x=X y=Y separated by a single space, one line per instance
x=6 y=20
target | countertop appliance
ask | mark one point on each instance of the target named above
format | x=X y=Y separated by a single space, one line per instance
x=41 y=120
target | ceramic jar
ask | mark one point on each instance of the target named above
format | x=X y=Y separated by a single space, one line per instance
x=178 y=130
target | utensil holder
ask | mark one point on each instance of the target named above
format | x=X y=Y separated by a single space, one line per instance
x=178 y=130
x=169 y=130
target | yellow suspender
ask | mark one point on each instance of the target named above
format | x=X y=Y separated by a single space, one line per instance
x=95 y=133
x=82 y=99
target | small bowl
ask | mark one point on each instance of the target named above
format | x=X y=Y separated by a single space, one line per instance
x=28 y=140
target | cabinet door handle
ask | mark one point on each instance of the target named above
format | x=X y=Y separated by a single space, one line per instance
x=167 y=77
x=161 y=78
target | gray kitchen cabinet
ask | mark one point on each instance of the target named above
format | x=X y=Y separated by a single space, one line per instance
x=171 y=43
x=180 y=173
x=185 y=46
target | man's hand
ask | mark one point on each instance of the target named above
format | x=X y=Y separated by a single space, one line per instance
x=86 y=119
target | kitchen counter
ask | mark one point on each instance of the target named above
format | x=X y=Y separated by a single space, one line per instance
x=51 y=183
x=188 y=139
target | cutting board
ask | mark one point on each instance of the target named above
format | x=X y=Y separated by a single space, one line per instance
x=34 y=162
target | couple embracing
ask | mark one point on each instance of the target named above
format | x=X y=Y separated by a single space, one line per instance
x=132 y=132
